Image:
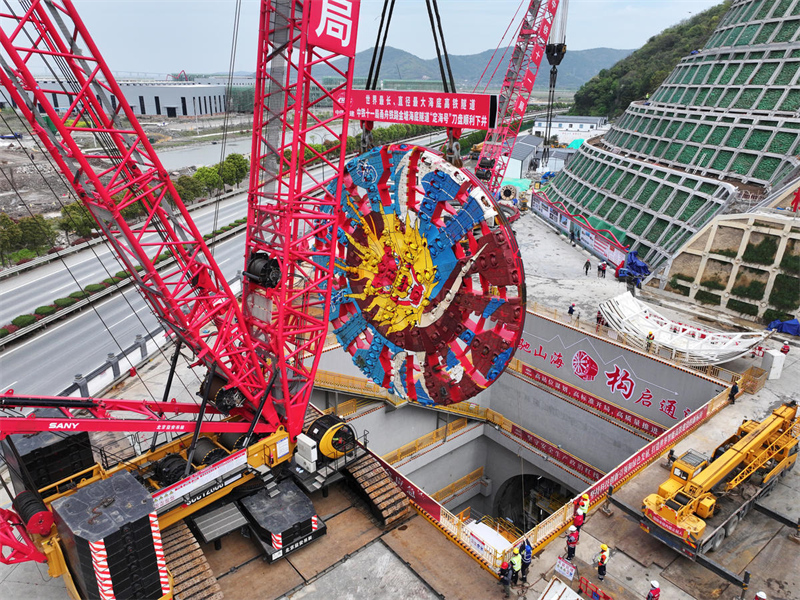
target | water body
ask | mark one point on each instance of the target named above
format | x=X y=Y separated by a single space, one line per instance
x=206 y=154
x=202 y=154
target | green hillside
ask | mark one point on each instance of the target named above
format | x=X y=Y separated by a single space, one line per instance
x=610 y=92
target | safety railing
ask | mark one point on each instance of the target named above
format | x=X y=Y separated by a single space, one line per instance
x=426 y=440
x=343 y=409
x=557 y=522
x=458 y=485
x=753 y=379
x=656 y=350
x=503 y=526
x=352 y=385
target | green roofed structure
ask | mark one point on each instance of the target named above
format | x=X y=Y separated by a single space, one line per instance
x=721 y=133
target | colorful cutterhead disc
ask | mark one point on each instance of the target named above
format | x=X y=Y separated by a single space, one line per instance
x=429 y=288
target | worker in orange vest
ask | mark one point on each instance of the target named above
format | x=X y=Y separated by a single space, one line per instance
x=602 y=560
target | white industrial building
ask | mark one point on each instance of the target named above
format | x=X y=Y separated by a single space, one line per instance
x=163 y=98
x=568 y=129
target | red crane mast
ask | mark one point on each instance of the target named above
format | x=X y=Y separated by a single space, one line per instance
x=245 y=351
x=527 y=55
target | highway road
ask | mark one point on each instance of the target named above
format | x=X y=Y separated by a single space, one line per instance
x=37 y=287
x=48 y=362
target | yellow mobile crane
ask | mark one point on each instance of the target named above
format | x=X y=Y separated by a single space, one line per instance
x=703 y=501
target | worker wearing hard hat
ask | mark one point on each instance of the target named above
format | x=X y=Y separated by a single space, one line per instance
x=602 y=561
x=655 y=591
x=581 y=508
x=572 y=541
x=505 y=578
x=516 y=566
x=761 y=596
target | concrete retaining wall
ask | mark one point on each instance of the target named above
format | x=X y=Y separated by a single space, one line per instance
x=594 y=364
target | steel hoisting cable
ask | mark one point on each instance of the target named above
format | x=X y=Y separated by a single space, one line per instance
x=383 y=42
x=444 y=47
x=370 y=85
x=436 y=44
x=224 y=142
x=489 y=64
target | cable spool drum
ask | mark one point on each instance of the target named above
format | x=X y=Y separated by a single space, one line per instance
x=508 y=192
x=207 y=453
x=170 y=469
x=233 y=441
x=334 y=437
x=33 y=512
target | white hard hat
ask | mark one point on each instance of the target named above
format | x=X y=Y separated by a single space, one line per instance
x=761 y=595
x=654 y=584
x=573 y=528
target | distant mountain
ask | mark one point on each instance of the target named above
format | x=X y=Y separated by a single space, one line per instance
x=578 y=67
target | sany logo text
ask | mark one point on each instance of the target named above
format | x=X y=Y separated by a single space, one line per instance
x=56 y=425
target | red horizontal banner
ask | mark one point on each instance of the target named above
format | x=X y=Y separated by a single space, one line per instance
x=619 y=414
x=654 y=448
x=559 y=455
x=423 y=108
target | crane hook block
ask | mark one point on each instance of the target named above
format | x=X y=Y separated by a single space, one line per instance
x=263 y=270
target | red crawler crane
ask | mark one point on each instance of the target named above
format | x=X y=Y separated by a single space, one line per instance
x=527 y=55
x=262 y=356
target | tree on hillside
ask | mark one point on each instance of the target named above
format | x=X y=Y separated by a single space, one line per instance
x=10 y=237
x=633 y=78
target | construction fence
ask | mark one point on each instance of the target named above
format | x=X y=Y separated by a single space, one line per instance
x=491 y=557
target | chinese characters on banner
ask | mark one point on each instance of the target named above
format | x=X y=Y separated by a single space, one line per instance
x=619 y=380
x=423 y=108
x=654 y=448
x=333 y=25
x=620 y=414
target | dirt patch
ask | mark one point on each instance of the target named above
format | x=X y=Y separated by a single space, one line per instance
x=685 y=267
x=717 y=271
x=700 y=242
x=727 y=238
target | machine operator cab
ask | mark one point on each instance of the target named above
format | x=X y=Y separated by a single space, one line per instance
x=682 y=470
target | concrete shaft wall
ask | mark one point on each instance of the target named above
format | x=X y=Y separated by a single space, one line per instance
x=620 y=375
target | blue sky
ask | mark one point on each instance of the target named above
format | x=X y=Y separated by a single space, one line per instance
x=163 y=36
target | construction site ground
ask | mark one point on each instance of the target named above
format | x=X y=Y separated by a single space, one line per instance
x=356 y=559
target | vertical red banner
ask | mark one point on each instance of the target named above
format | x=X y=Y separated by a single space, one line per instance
x=544 y=29
x=537 y=54
x=527 y=81
x=333 y=25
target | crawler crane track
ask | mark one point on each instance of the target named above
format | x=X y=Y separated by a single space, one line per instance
x=193 y=577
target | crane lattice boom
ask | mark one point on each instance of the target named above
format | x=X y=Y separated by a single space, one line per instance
x=529 y=50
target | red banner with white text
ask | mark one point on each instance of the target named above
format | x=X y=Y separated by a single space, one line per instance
x=424 y=108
